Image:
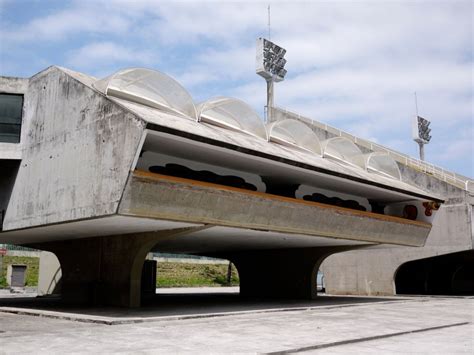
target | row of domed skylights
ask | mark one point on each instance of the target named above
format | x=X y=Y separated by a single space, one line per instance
x=155 y=89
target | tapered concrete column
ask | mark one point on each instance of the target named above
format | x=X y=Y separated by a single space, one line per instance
x=106 y=270
x=280 y=273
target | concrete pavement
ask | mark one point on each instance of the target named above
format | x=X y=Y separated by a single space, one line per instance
x=418 y=325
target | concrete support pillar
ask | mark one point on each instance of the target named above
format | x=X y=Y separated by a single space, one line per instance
x=280 y=273
x=106 y=270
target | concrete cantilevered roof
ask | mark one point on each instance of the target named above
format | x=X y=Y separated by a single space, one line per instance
x=175 y=124
x=97 y=140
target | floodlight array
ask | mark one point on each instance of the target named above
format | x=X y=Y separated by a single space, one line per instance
x=423 y=129
x=270 y=60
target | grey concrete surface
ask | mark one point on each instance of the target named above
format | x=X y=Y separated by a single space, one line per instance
x=373 y=272
x=421 y=325
x=149 y=196
x=376 y=269
x=80 y=176
x=13 y=85
x=452 y=340
x=68 y=128
x=169 y=304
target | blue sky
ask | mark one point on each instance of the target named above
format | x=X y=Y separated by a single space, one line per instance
x=352 y=64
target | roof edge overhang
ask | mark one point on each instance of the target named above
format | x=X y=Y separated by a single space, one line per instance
x=244 y=150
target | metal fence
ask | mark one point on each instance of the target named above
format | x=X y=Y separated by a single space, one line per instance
x=15 y=247
x=449 y=177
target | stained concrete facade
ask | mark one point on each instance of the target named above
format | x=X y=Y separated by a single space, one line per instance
x=86 y=189
x=374 y=271
x=12 y=85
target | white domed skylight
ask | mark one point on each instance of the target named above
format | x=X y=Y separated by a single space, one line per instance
x=232 y=114
x=294 y=133
x=148 y=87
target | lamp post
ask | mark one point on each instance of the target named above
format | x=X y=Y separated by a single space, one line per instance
x=270 y=66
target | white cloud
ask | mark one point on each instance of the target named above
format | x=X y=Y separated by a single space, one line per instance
x=99 y=54
x=180 y=22
x=80 y=18
x=354 y=65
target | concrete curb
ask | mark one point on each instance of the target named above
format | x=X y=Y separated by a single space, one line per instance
x=133 y=320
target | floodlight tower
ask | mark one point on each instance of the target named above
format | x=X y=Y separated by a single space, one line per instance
x=271 y=66
x=421 y=134
x=421 y=131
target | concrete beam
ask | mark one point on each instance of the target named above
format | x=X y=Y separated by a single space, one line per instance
x=170 y=198
x=373 y=271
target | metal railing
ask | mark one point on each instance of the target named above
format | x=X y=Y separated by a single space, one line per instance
x=449 y=177
x=16 y=247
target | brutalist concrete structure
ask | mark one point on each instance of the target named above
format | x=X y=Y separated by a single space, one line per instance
x=444 y=266
x=101 y=172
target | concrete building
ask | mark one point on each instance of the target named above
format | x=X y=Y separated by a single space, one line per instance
x=100 y=172
x=445 y=265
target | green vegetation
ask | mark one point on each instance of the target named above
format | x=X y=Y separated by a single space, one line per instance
x=169 y=274
x=31 y=270
x=194 y=275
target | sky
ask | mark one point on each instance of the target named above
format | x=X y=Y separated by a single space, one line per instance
x=354 y=65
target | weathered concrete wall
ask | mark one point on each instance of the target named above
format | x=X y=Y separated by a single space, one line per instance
x=78 y=148
x=50 y=274
x=12 y=85
x=373 y=271
x=450 y=193
x=9 y=169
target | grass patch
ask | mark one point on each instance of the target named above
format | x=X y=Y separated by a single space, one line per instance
x=169 y=274
x=31 y=269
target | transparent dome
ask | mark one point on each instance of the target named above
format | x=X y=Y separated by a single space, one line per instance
x=148 y=87
x=294 y=133
x=341 y=148
x=232 y=113
x=383 y=164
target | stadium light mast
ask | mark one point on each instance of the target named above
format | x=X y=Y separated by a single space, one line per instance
x=421 y=131
x=270 y=66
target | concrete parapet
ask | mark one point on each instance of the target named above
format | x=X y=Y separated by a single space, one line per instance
x=163 y=197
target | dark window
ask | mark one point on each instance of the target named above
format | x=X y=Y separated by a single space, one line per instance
x=11 y=107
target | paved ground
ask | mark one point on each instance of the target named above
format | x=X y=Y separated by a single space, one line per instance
x=200 y=324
